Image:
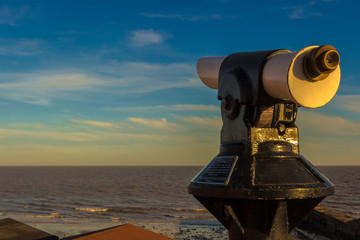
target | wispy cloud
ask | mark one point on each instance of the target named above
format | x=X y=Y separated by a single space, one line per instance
x=142 y=77
x=10 y=16
x=21 y=47
x=297 y=13
x=300 y=12
x=214 y=122
x=195 y=107
x=68 y=36
x=161 y=123
x=327 y=139
x=316 y=123
x=324 y=139
x=146 y=37
x=192 y=18
x=306 y=10
x=169 y=108
x=88 y=131
x=43 y=87
x=55 y=136
x=71 y=144
x=71 y=32
x=349 y=89
x=348 y=102
x=100 y=124
x=50 y=135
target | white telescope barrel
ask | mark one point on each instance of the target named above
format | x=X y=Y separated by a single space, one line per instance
x=208 y=69
x=284 y=77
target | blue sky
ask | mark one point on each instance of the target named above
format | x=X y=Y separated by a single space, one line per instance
x=114 y=82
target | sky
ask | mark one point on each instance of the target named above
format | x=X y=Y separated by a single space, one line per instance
x=115 y=83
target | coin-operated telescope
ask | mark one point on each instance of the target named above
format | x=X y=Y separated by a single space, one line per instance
x=259 y=186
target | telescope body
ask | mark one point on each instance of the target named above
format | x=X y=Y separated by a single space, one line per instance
x=284 y=77
x=259 y=186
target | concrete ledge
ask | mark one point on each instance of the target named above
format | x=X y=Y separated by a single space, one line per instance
x=331 y=224
x=11 y=229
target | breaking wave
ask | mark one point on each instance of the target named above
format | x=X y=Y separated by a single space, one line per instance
x=92 y=209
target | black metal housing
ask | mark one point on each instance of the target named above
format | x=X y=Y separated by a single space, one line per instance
x=258 y=186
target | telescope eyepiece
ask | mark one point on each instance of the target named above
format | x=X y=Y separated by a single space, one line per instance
x=320 y=62
x=330 y=60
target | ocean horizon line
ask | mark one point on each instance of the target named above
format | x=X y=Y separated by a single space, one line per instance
x=320 y=165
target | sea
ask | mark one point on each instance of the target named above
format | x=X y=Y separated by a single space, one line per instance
x=139 y=195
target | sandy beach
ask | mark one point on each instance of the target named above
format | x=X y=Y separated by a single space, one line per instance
x=178 y=232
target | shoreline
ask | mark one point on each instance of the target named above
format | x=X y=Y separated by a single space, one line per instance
x=320 y=224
